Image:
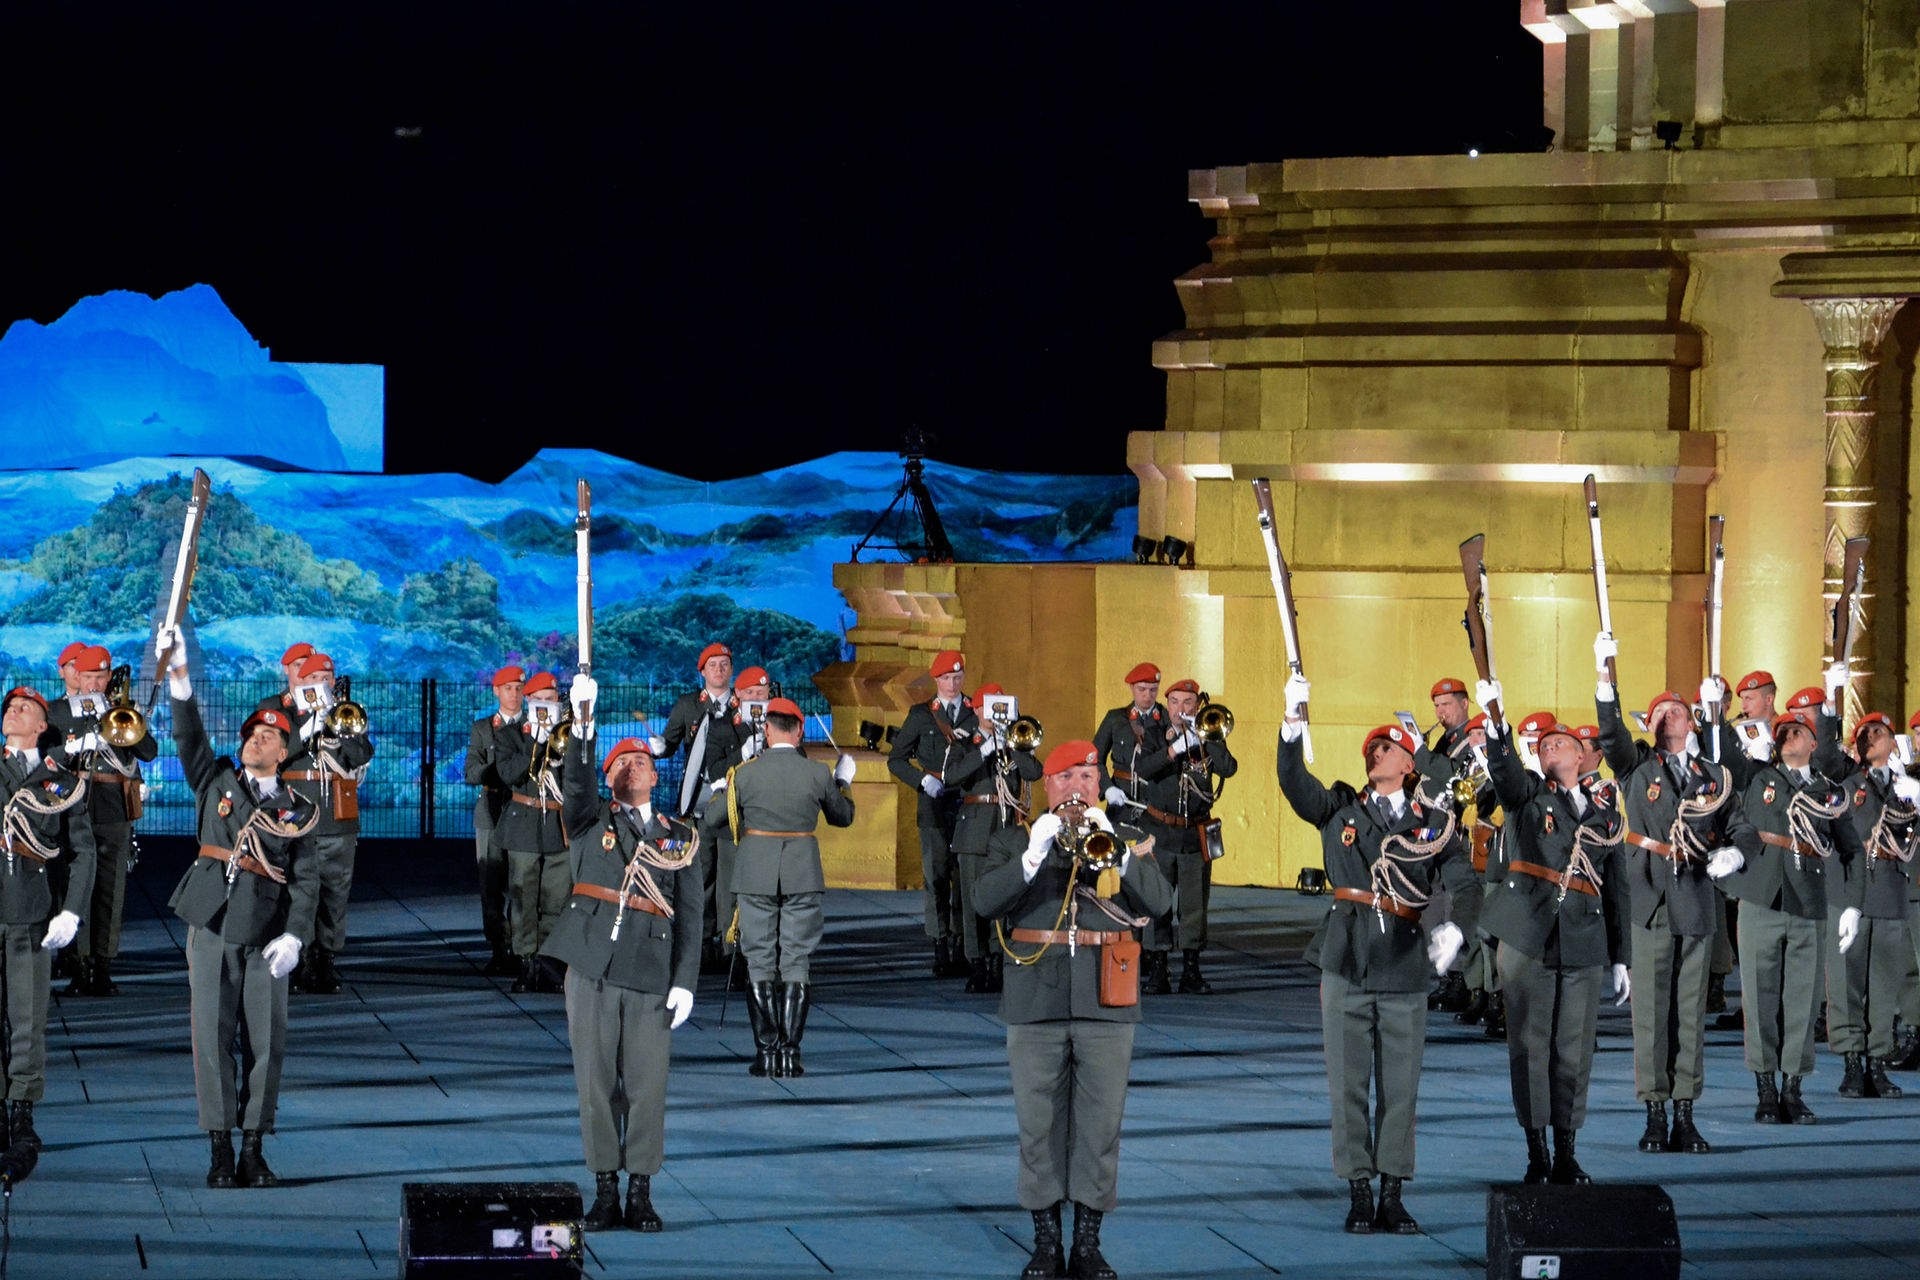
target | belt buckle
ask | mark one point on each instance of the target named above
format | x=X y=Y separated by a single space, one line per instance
x=1379 y=912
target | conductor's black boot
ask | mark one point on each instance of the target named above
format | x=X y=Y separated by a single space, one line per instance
x=762 y=1012
x=20 y=1125
x=977 y=975
x=795 y=999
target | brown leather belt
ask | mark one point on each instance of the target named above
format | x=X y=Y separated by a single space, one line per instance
x=266 y=871
x=303 y=775
x=1121 y=775
x=1378 y=902
x=1653 y=846
x=1066 y=937
x=107 y=777
x=633 y=900
x=545 y=806
x=1166 y=819
x=979 y=799
x=1800 y=847
x=1577 y=883
x=778 y=835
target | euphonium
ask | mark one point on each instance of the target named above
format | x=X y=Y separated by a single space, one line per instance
x=1215 y=722
x=1025 y=733
x=345 y=718
x=122 y=725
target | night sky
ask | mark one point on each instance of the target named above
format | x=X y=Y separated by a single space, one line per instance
x=712 y=238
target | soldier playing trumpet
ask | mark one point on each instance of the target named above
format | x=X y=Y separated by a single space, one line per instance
x=1180 y=806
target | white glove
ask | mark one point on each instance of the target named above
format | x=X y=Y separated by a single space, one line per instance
x=1722 y=863
x=1039 y=841
x=282 y=954
x=583 y=693
x=178 y=685
x=657 y=745
x=843 y=770
x=1496 y=729
x=61 y=928
x=1184 y=743
x=312 y=726
x=717 y=786
x=989 y=744
x=1116 y=796
x=1760 y=749
x=1906 y=789
x=1487 y=692
x=541 y=728
x=932 y=786
x=1098 y=817
x=1604 y=647
x=749 y=749
x=89 y=741
x=1622 y=985
x=1848 y=928
x=1444 y=945
x=1296 y=696
x=1711 y=690
x=1837 y=674
x=1603 y=691
x=679 y=1004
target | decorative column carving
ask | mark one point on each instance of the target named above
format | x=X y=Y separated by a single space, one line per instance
x=1851 y=329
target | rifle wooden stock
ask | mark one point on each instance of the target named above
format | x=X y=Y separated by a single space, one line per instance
x=1600 y=570
x=1479 y=618
x=1283 y=597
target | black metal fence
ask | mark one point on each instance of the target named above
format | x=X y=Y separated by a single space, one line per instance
x=416 y=786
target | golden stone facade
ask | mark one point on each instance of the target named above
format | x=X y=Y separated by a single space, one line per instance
x=1417 y=349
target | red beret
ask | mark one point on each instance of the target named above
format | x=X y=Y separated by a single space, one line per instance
x=1811 y=696
x=1478 y=722
x=1915 y=722
x=314 y=664
x=1145 y=673
x=625 y=747
x=1753 y=680
x=1587 y=732
x=269 y=717
x=1449 y=685
x=1792 y=719
x=22 y=691
x=1071 y=755
x=1396 y=734
x=295 y=653
x=751 y=676
x=508 y=675
x=1875 y=717
x=1558 y=727
x=1184 y=686
x=708 y=654
x=71 y=652
x=1537 y=723
x=93 y=658
x=539 y=682
x=1665 y=695
x=946 y=662
x=986 y=690
x=784 y=707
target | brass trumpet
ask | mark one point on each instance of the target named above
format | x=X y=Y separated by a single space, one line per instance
x=1025 y=733
x=345 y=718
x=1094 y=848
x=1215 y=721
x=122 y=724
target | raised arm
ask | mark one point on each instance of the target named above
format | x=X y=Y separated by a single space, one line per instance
x=1311 y=799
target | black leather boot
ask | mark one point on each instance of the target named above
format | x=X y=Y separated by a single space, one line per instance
x=528 y=977
x=1192 y=981
x=977 y=975
x=1566 y=1170
x=1453 y=994
x=606 y=1203
x=640 y=1215
x=253 y=1170
x=795 y=999
x=220 y=1170
x=1474 y=1009
x=1360 y=1206
x=763 y=999
x=1048 y=1259
x=1767 y=1110
x=1685 y=1137
x=1877 y=1083
x=996 y=973
x=1654 y=1138
x=1906 y=1050
x=1539 y=1162
x=941 y=960
x=1155 y=981
x=323 y=979
x=1853 y=1084
x=1085 y=1262
x=956 y=959
x=1820 y=1025
x=1392 y=1215
x=20 y=1125
x=82 y=984
x=502 y=964
x=1497 y=1017
x=1793 y=1108
x=102 y=976
x=1716 y=993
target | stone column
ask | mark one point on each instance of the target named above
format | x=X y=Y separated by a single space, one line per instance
x=1851 y=330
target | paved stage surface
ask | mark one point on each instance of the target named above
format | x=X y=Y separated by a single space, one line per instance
x=894 y=1155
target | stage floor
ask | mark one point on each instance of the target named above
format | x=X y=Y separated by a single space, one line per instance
x=894 y=1155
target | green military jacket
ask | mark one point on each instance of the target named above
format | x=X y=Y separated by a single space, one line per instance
x=526 y=828
x=928 y=743
x=113 y=770
x=483 y=768
x=727 y=732
x=1778 y=878
x=1880 y=884
x=1132 y=748
x=781 y=790
x=349 y=756
x=981 y=814
x=32 y=891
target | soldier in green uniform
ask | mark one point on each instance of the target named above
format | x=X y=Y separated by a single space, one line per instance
x=1069 y=1027
x=1385 y=848
x=775 y=801
x=1560 y=914
x=484 y=750
x=531 y=763
x=113 y=802
x=630 y=938
x=707 y=722
x=752 y=688
x=44 y=822
x=938 y=744
x=1452 y=712
x=325 y=767
x=248 y=899
x=1681 y=808
x=1801 y=817
x=1179 y=807
x=995 y=797
x=1139 y=746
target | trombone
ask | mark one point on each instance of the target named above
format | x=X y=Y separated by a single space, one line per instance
x=345 y=718
x=122 y=724
x=1215 y=721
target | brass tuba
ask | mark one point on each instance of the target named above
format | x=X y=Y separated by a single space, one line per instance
x=122 y=724
x=345 y=718
x=1025 y=733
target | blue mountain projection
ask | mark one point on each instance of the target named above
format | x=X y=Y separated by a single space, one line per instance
x=122 y=375
x=409 y=577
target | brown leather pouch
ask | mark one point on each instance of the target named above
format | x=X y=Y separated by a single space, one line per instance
x=1213 y=840
x=346 y=799
x=1120 y=974
x=130 y=791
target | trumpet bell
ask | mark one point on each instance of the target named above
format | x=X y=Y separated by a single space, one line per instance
x=1025 y=734
x=1215 y=722
x=347 y=720
x=123 y=726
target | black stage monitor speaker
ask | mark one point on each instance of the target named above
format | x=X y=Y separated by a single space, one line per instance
x=493 y=1230
x=1619 y=1232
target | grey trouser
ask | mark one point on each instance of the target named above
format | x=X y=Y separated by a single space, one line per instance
x=113 y=850
x=1722 y=963
x=1378 y=1037
x=620 y=1050
x=1550 y=1022
x=239 y=1019
x=1779 y=988
x=1069 y=1094
x=1177 y=852
x=975 y=934
x=29 y=982
x=1910 y=984
x=1863 y=986
x=937 y=869
x=490 y=860
x=538 y=886
x=778 y=933
x=719 y=855
x=334 y=860
x=1669 y=1011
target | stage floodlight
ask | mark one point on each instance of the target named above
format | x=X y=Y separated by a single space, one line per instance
x=1173 y=550
x=1668 y=131
x=1143 y=548
x=870 y=733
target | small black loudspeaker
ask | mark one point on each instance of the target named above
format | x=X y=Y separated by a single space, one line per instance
x=497 y=1230
x=1621 y=1232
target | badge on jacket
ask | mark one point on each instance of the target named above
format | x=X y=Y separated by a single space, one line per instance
x=1348 y=834
x=1549 y=824
x=1859 y=797
x=1653 y=791
x=609 y=841
x=225 y=808
x=1766 y=797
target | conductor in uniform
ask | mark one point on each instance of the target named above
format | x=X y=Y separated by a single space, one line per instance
x=1070 y=1010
